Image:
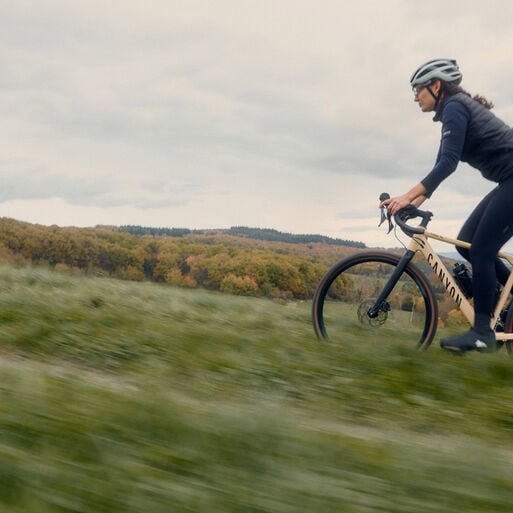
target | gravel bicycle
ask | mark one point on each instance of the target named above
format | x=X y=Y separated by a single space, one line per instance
x=384 y=295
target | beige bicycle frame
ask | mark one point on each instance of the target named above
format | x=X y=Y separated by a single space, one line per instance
x=420 y=243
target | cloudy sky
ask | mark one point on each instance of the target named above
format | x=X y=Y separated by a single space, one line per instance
x=285 y=114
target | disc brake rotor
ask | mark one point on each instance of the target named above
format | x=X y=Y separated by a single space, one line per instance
x=374 y=321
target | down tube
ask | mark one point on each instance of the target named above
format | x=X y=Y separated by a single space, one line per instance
x=445 y=277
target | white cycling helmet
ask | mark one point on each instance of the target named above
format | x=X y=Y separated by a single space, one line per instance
x=446 y=70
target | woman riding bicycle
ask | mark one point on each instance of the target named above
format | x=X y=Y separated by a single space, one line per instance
x=472 y=134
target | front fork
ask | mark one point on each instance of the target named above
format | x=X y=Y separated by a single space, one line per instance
x=380 y=302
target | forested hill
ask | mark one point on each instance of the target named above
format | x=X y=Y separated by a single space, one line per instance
x=266 y=234
x=275 y=235
x=233 y=261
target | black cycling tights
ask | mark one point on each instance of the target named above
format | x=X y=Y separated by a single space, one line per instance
x=488 y=228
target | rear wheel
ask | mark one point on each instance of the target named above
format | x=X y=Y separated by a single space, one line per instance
x=344 y=304
x=508 y=326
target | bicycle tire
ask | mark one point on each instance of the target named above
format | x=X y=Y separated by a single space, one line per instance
x=508 y=326
x=346 y=291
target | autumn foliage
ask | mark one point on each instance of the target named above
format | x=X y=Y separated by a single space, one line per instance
x=225 y=261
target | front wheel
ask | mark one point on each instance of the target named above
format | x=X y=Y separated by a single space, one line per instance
x=344 y=305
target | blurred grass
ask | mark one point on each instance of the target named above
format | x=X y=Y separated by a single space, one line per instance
x=134 y=397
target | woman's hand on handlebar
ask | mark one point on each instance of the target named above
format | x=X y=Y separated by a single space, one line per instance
x=396 y=203
x=403 y=214
x=415 y=196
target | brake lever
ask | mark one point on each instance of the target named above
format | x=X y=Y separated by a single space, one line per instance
x=386 y=217
x=385 y=214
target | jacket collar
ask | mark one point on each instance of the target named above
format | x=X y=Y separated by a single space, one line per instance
x=439 y=110
x=443 y=103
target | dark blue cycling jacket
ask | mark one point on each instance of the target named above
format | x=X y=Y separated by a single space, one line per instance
x=472 y=134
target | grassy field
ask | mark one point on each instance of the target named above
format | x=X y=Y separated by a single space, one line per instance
x=134 y=397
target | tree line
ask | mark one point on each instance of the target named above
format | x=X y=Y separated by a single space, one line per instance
x=266 y=234
x=277 y=236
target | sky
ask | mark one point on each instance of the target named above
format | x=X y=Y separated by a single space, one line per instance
x=285 y=114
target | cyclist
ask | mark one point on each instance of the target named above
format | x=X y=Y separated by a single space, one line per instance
x=472 y=134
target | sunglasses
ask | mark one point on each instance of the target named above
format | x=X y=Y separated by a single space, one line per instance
x=418 y=89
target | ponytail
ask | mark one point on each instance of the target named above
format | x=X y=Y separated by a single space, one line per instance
x=451 y=89
x=483 y=101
